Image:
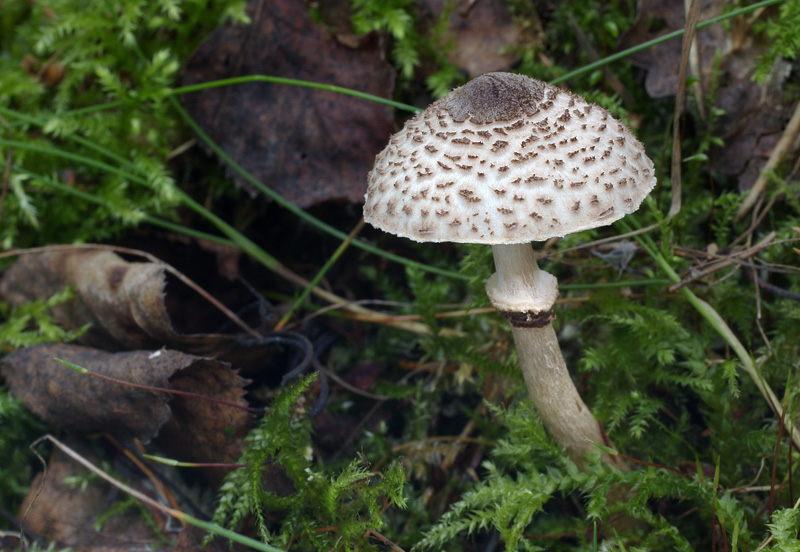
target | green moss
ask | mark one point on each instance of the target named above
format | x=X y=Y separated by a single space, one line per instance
x=324 y=509
x=118 y=59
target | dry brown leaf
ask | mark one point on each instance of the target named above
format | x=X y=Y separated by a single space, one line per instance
x=658 y=17
x=754 y=115
x=753 y=123
x=203 y=431
x=308 y=145
x=123 y=301
x=83 y=403
x=66 y=514
x=483 y=33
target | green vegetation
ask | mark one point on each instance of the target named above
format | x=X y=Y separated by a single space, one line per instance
x=322 y=510
x=781 y=35
x=83 y=80
x=451 y=455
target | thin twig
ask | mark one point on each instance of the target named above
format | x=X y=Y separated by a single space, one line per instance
x=692 y=18
x=156 y=389
x=757 y=291
x=752 y=483
x=384 y=540
x=718 y=323
x=756 y=489
x=158 y=485
x=595 y=243
x=177 y=514
x=320 y=274
x=694 y=65
x=350 y=387
x=361 y=314
x=365 y=314
x=759 y=216
x=725 y=261
x=772 y=288
x=451 y=438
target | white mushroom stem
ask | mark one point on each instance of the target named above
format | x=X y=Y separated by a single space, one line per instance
x=525 y=295
x=519 y=285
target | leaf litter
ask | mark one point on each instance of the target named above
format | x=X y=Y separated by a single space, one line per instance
x=123 y=302
x=139 y=379
x=751 y=116
x=310 y=146
x=66 y=504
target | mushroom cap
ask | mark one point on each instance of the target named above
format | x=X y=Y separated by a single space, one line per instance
x=507 y=159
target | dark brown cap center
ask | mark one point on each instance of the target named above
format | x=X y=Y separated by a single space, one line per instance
x=495 y=97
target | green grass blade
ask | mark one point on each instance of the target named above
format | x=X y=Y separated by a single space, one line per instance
x=297 y=211
x=667 y=37
x=293 y=82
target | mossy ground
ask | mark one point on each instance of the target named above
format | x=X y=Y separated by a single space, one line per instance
x=87 y=157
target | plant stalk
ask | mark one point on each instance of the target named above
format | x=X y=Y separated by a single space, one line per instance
x=555 y=397
x=525 y=295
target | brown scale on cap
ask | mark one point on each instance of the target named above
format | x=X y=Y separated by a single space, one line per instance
x=502 y=132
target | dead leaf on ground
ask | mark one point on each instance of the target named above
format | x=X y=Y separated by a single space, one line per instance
x=123 y=301
x=66 y=513
x=483 y=34
x=658 y=17
x=308 y=145
x=753 y=123
x=203 y=431
x=86 y=404
x=755 y=115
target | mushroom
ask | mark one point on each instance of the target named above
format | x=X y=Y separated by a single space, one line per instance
x=506 y=160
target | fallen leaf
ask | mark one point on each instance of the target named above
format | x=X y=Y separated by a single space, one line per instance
x=752 y=123
x=754 y=115
x=308 y=145
x=656 y=18
x=204 y=431
x=483 y=34
x=84 y=403
x=123 y=301
x=59 y=511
